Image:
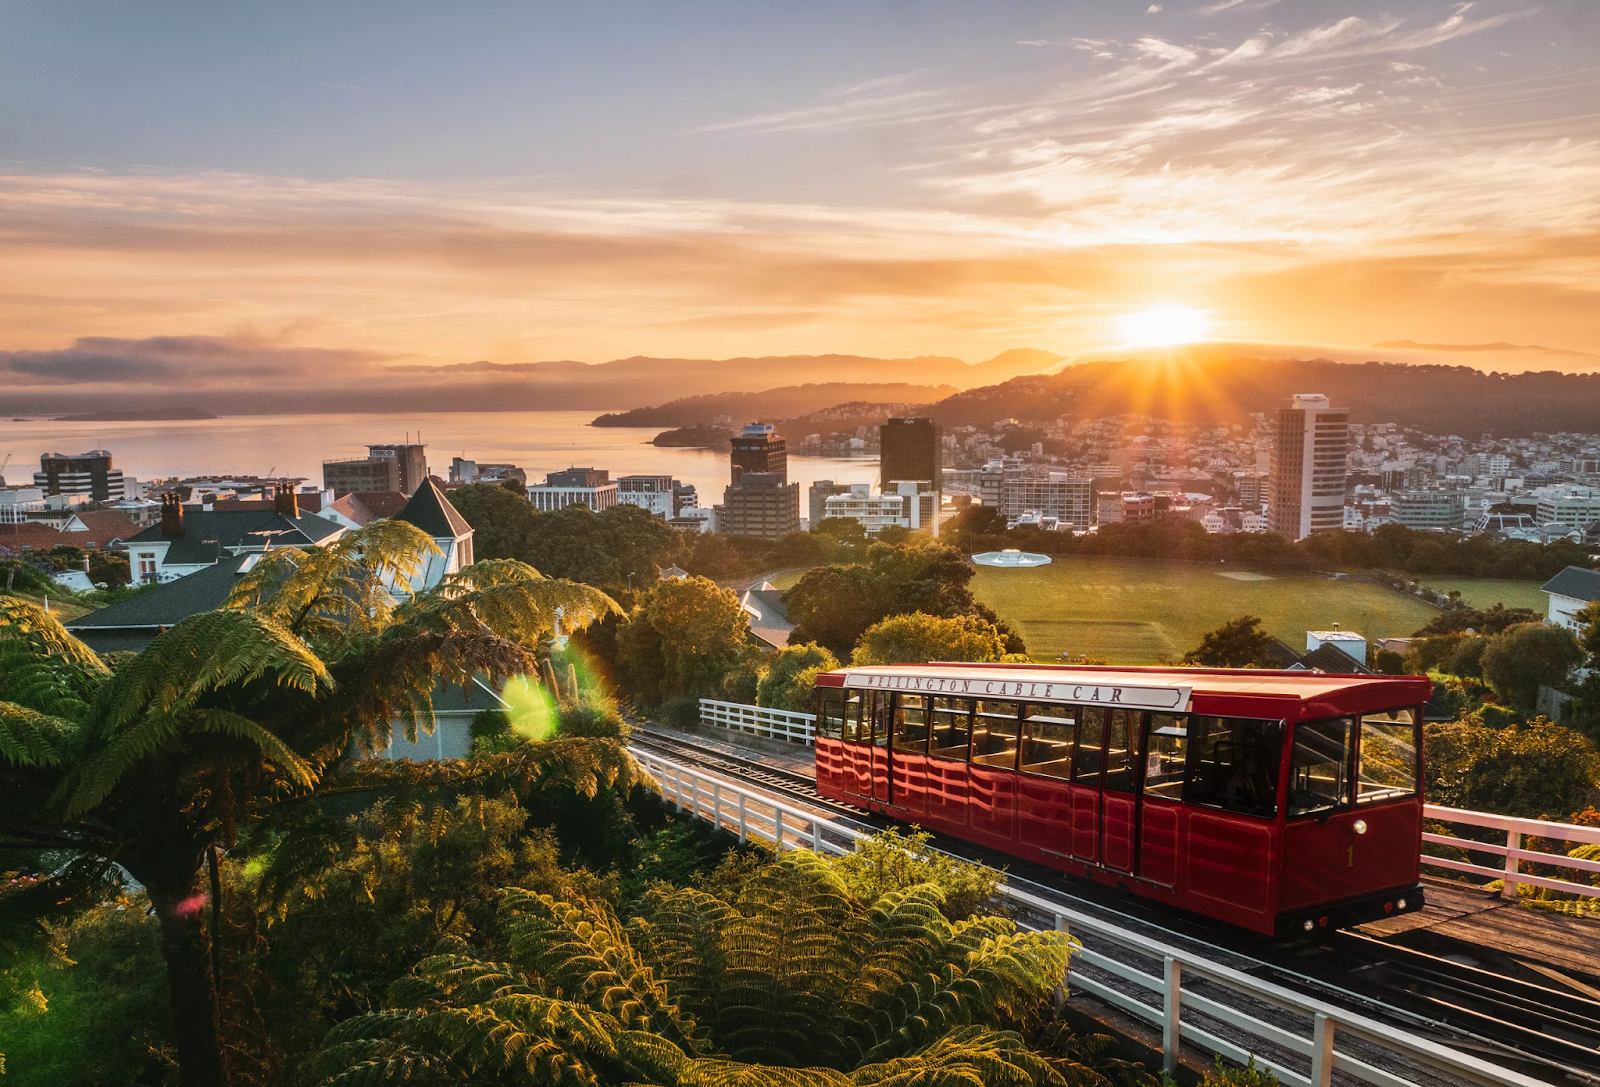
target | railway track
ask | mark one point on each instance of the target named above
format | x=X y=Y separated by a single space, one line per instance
x=1544 y=1031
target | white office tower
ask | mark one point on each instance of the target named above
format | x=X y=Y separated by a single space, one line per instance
x=1308 y=467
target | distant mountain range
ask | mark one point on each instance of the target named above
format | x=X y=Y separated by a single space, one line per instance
x=1203 y=385
x=148 y=415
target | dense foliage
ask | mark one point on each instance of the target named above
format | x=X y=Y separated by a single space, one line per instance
x=834 y=605
x=1238 y=643
x=791 y=676
x=916 y=638
x=682 y=640
x=1537 y=770
x=151 y=768
x=1390 y=547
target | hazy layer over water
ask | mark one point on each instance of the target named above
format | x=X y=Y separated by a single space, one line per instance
x=296 y=445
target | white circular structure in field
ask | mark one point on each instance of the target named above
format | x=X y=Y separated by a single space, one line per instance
x=1011 y=559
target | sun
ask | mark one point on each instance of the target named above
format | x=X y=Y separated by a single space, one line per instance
x=1163 y=326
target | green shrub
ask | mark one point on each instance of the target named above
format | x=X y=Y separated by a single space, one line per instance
x=593 y=714
x=681 y=712
x=1248 y=1076
x=892 y=861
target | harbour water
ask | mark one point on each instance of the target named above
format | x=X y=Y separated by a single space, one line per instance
x=296 y=445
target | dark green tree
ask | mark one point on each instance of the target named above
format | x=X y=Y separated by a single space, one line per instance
x=791 y=679
x=1238 y=643
x=1522 y=658
x=1538 y=770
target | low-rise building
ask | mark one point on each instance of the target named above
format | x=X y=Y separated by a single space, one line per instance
x=1429 y=509
x=591 y=487
x=658 y=494
x=187 y=541
x=1578 y=506
x=1568 y=593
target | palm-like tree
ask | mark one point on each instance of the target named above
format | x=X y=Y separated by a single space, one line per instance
x=793 y=983
x=151 y=766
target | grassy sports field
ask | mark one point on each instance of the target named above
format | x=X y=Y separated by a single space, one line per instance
x=1136 y=612
x=1487 y=592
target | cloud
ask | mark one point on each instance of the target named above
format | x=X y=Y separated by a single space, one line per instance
x=164 y=360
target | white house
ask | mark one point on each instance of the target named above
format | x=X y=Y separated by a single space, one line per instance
x=1569 y=592
x=186 y=541
x=432 y=512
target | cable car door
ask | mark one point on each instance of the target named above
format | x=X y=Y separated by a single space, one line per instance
x=1119 y=800
x=879 y=708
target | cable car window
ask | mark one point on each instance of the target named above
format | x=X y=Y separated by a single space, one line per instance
x=1121 y=736
x=879 y=707
x=856 y=728
x=1233 y=764
x=952 y=727
x=1047 y=736
x=1386 y=760
x=1166 y=743
x=830 y=712
x=994 y=734
x=1319 y=774
x=911 y=723
x=1091 y=737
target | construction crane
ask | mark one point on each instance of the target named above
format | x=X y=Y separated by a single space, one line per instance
x=3 y=464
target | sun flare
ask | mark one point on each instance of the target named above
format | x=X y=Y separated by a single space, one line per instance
x=1163 y=326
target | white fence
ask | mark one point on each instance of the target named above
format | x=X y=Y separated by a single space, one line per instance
x=1160 y=998
x=799 y=728
x=1516 y=831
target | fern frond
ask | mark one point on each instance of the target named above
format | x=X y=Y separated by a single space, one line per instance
x=204 y=652
x=582 y=949
x=682 y=942
x=30 y=738
x=968 y=1057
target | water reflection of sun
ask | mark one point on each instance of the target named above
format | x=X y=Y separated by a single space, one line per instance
x=1163 y=326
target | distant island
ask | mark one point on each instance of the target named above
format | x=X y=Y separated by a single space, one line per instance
x=694 y=437
x=148 y=415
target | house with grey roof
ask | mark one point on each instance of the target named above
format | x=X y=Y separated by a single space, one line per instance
x=187 y=540
x=769 y=616
x=432 y=512
x=133 y=623
x=1568 y=593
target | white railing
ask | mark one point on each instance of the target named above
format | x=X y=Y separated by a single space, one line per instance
x=1165 y=998
x=799 y=728
x=1516 y=831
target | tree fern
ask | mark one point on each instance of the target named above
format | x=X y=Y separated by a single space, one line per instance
x=30 y=738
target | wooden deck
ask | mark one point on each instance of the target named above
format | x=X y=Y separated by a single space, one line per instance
x=1460 y=912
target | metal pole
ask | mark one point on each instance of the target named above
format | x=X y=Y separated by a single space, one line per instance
x=1061 y=985
x=777 y=830
x=1172 y=1013
x=716 y=805
x=1513 y=842
x=1322 y=1052
x=816 y=835
x=743 y=834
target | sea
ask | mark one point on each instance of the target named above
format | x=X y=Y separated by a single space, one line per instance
x=296 y=445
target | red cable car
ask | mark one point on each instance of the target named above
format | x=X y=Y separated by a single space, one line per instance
x=1283 y=802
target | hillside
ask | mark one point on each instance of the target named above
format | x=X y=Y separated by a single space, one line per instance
x=1205 y=386
x=785 y=403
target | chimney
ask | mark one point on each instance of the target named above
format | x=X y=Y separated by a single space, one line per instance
x=171 y=515
x=285 y=502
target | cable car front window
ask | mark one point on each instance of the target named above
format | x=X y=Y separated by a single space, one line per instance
x=1048 y=732
x=830 y=712
x=1319 y=773
x=1386 y=760
x=1233 y=764
x=911 y=723
x=994 y=734
x=1091 y=735
x=952 y=727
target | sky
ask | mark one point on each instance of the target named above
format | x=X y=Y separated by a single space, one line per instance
x=239 y=193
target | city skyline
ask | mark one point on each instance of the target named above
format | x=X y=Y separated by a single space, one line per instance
x=238 y=199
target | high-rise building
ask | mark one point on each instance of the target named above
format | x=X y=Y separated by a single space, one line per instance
x=1069 y=498
x=399 y=468
x=910 y=452
x=410 y=459
x=1308 y=467
x=758 y=449
x=84 y=474
x=762 y=505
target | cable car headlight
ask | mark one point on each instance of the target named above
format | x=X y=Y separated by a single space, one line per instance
x=1359 y=826
x=1310 y=925
x=1400 y=904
